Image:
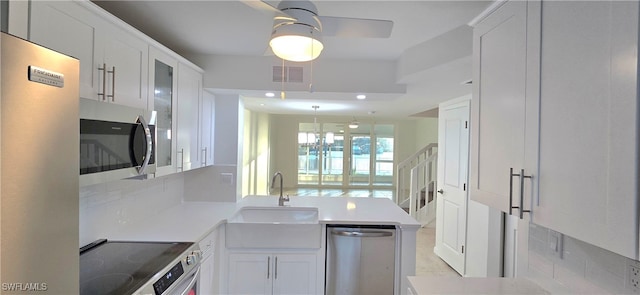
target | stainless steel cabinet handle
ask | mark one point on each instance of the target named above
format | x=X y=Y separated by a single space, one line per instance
x=522 y=177
x=275 y=273
x=511 y=175
x=357 y=234
x=181 y=152
x=440 y=191
x=520 y=208
x=268 y=265
x=113 y=83
x=104 y=81
x=205 y=156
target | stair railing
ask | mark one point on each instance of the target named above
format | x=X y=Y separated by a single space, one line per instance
x=416 y=177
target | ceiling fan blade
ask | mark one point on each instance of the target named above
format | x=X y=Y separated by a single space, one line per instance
x=267 y=8
x=355 y=27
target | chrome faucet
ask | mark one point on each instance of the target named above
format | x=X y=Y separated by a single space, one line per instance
x=281 y=199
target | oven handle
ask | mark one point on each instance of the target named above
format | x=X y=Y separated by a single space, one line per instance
x=192 y=283
x=147 y=135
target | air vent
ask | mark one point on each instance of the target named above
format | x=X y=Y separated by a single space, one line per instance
x=291 y=74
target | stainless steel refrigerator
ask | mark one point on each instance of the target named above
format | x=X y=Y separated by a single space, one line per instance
x=39 y=147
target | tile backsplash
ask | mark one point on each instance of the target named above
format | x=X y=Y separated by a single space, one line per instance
x=579 y=266
x=108 y=207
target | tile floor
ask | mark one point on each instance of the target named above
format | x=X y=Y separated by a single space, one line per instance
x=427 y=262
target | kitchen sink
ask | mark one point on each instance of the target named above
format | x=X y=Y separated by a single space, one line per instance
x=274 y=227
x=276 y=215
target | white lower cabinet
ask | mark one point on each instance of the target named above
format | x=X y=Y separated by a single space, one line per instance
x=207 y=282
x=206 y=276
x=272 y=273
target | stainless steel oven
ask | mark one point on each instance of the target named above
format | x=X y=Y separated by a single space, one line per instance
x=140 y=268
x=116 y=142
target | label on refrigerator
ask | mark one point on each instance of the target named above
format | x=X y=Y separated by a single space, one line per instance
x=43 y=76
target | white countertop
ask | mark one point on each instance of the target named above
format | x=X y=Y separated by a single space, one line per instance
x=192 y=221
x=459 y=285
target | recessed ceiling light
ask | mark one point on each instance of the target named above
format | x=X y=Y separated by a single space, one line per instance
x=269 y=94
x=361 y=96
x=262 y=104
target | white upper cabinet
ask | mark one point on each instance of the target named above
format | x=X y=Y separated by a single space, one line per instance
x=500 y=127
x=588 y=184
x=207 y=128
x=556 y=94
x=163 y=81
x=125 y=58
x=189 y=100
x=68 y=28
x=113 y=62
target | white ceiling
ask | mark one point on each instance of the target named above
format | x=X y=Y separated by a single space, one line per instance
x=429 y=48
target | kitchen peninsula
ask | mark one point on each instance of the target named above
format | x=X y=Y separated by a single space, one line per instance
x=205 y=222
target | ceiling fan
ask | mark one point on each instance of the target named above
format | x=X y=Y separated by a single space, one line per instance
x=300 y=19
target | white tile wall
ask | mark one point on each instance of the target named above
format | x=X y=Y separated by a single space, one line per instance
x=579 y=266
x=108 y=207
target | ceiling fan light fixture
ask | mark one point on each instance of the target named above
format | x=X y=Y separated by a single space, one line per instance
x=296 y=42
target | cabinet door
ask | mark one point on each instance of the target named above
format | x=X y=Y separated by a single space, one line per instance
x=207 y=128
x=162 y=84
x=68 y=28
x=588 y=184
x=189 y=97
x=250 y=273
x=126 y=58
x=206 y=276
x=498 y=104
x=294 y=274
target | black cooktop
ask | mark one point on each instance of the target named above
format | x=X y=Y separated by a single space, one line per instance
x=113 y=267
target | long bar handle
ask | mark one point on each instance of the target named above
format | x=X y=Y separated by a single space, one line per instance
x=205 y=156
x=268 y=266
x=522 y=177
x=357 y=234
x=511 y=175
x=181 y=151
x=113 y=83
x=104 y=80
x=275 y=273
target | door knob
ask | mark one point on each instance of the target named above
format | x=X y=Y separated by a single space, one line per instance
x=440 y=191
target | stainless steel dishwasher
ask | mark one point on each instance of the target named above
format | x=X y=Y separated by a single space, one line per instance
x=360 y=260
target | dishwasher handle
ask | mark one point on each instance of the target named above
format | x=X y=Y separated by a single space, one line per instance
x=358 y=234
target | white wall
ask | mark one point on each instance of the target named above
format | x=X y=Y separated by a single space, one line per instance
x=255 y=166
x=426 y=132
x=229 y=135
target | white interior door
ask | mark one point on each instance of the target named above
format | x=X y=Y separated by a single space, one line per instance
x=453 y=162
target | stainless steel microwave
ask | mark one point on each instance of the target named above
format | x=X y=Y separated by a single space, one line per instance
x=116 y=142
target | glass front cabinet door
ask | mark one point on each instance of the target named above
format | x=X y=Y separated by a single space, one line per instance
x=162 y=71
